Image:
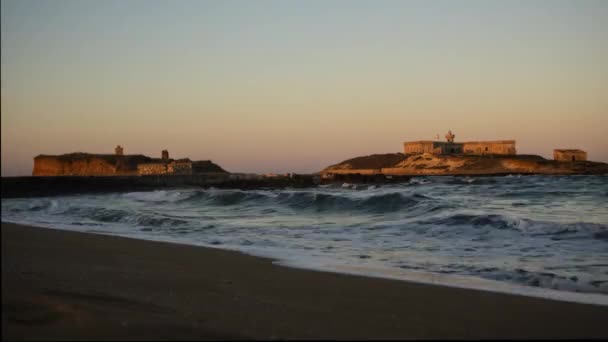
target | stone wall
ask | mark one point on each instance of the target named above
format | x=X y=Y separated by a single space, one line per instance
x=152 y=169
x=447 y=148
x=505 y=147
x=414 y=147
x=569 y=155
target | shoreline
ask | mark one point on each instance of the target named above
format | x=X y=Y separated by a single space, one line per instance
x=65 y=284
x=375 y=272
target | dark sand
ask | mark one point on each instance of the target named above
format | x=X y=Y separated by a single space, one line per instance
x=66 y=285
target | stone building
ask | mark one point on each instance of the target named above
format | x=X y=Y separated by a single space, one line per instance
x=152 y=169
x=569 y=155
x=180 y=167
x=165 y=166
x=119 y=150
x=490 y=147
x=503 y=147
x=434 y=147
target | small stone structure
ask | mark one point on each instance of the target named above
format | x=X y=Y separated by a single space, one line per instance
x=503 y=147
x=569 y=155
x=165 y=155
x=119 y=150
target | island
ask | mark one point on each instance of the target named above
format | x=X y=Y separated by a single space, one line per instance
x=460 y=158
x=80 y=172
x=119 y=164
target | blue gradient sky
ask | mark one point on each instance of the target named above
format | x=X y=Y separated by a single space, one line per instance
x=292 y=86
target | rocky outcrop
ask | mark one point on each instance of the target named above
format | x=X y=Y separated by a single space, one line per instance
x=430 y=164
x=202 y=166
x=87 y=164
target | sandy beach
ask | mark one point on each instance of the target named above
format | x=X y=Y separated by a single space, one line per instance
x=68 y=285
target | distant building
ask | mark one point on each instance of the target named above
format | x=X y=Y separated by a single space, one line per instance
x=504 y=147
x=152 y=169
x=180 y=167
x=119 y=150
x=165 y=166
x=569 y=155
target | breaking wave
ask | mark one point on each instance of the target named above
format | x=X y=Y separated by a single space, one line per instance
x=525 y=226
x=549 y=280
x=298 y=200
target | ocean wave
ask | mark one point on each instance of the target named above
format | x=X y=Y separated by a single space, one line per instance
x=325 y=202
x=419 y=181
x=492 y=220
x=105 y=215
x=547 y=280
x=543 y=279
x=158 y=196
x=533 y=228
x=226 y=197
x=44 y=204
x=535 y=193
x=392 y=202
x=563 y=231
x=319 y=201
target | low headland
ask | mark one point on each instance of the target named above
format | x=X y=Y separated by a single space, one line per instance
x=69 y=285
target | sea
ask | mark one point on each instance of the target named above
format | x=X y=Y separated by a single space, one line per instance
x=541 y=236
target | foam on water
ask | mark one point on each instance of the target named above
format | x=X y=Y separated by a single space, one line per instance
x=534 y=235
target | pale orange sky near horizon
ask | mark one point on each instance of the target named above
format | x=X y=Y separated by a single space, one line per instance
x=272 y=86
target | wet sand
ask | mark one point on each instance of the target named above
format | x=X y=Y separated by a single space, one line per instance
x=67 y=285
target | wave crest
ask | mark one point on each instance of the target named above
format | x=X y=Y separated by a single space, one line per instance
x=554 y=230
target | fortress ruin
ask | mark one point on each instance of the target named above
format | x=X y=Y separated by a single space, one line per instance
x=119 y=164
x=502 y=147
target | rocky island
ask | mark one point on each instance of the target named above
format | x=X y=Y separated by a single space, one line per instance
x=80 y=172
x=119 y=164
x=467 y=158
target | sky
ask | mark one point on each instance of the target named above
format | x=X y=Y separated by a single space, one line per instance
x=294 y=86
